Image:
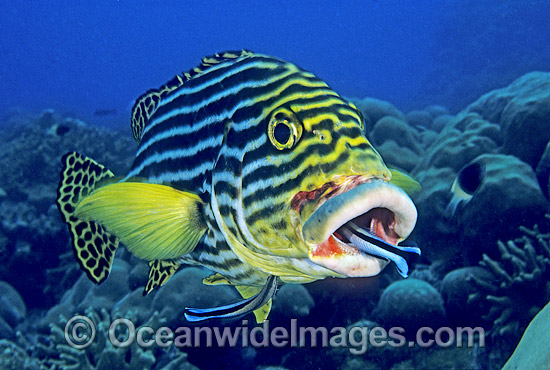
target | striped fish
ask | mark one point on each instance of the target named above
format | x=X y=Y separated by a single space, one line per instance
x=251 y=167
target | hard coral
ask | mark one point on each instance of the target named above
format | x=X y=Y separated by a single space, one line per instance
x=521 y=287
x=410 y=304
x=14 y=357
x=103 y=354
x=522 y=109
x=31 y=232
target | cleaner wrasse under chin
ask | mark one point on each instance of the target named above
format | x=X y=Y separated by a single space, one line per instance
x=251 y=167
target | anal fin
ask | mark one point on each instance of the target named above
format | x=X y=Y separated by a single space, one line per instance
x=159 y=273
x=249 y=291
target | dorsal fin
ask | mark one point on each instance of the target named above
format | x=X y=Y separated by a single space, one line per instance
x=212 y=60
x=146 y=104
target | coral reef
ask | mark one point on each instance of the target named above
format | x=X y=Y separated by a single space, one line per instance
x=85 y=295
x=14 y=357
x=520 y=290
x=522 y=285
x=421 y=118
x=185 y=289
x=508 y=197
x=374 y=109
x=445 y=358
x=505 y=129
x=441 y=122
x=30 y=226
x=390 y=128
x=292 y=301
x=410 y=304
x=498 y=129
x=115 y=298
x=397 y=142
x=102 y=354
x=522 y=109
x=457 y=286
x=465 y=137
x=436 y=110
x=12 y=310
x=543 y=171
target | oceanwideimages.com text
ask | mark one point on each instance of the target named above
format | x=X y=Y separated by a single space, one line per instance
x=80 y=332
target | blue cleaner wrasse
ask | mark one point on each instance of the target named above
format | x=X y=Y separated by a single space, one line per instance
x=251 y=167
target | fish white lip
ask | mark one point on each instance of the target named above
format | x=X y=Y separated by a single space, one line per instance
x=344 y=207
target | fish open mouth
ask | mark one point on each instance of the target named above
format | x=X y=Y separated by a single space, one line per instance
x=356 y=232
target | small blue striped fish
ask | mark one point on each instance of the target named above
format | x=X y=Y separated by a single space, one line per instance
x=251 y=167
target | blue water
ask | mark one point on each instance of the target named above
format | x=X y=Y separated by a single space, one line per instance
x=91 y=59
x=79 y=57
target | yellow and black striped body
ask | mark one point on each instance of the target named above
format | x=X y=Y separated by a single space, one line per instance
x=249 y=134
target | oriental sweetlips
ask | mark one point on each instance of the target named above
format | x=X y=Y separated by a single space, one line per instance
x=251 y=167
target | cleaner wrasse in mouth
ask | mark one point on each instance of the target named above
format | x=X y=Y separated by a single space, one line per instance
x=251 y=167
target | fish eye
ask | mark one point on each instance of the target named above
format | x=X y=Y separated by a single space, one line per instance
x=284 y=129
x=282 y=132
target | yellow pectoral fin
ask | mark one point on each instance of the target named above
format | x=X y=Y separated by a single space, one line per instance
x=404 y=181
x=247 y=292
x=155 y=222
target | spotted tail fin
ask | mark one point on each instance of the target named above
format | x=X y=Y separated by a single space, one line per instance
x=93 y=246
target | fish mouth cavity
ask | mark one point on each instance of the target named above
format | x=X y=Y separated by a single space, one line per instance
x=379 y=221
x=375 y=205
